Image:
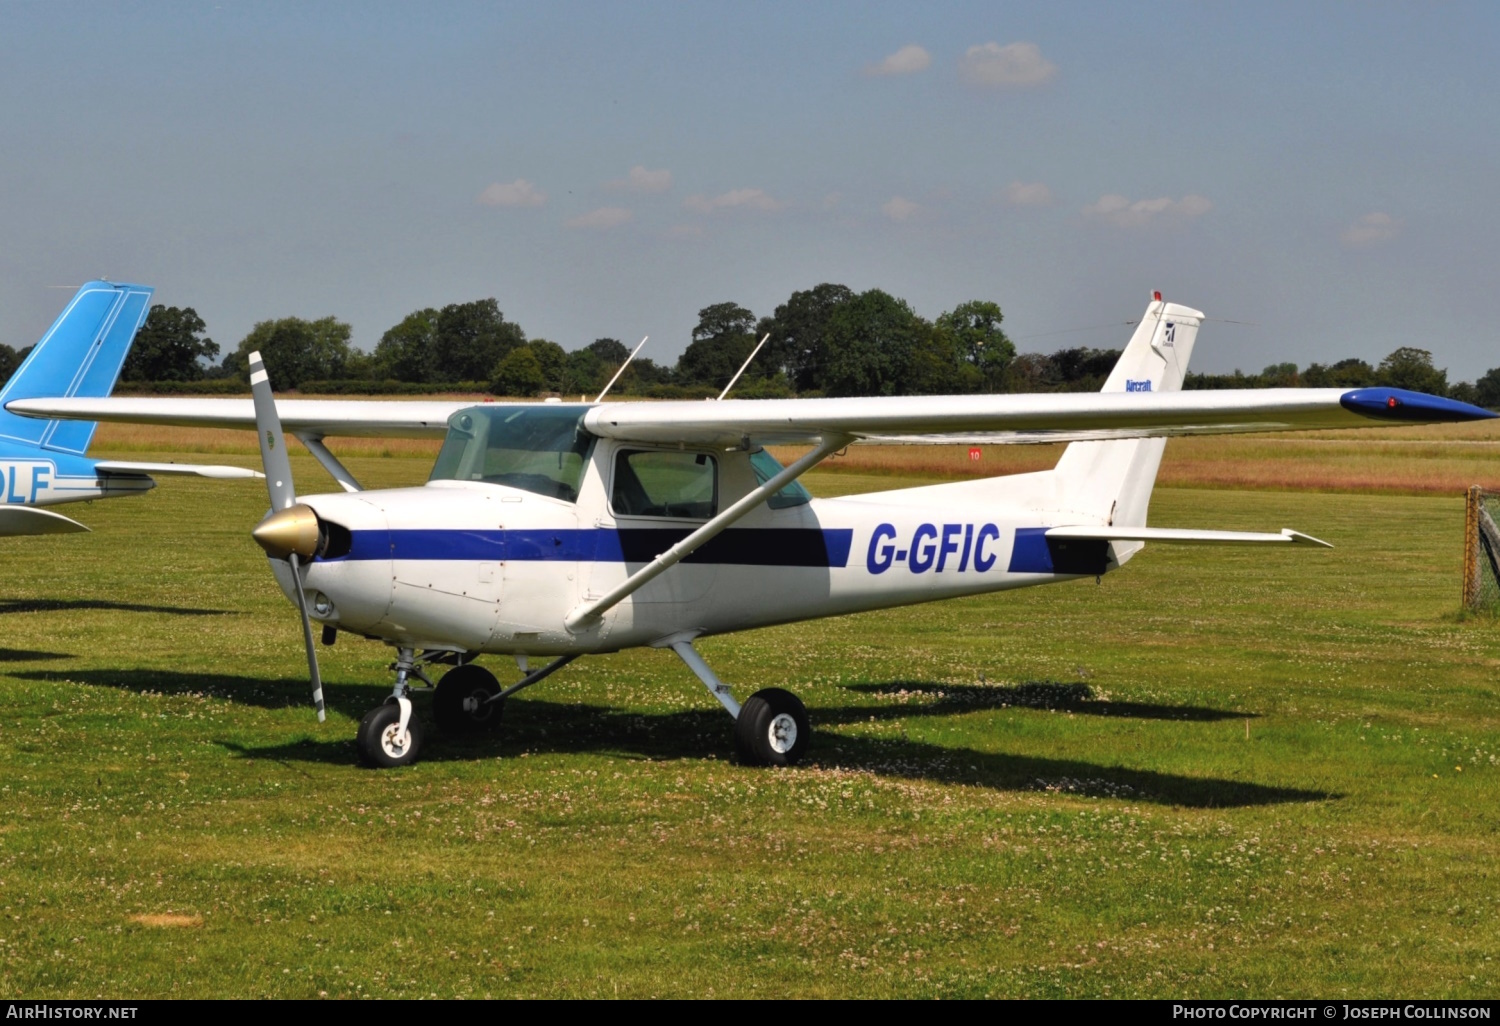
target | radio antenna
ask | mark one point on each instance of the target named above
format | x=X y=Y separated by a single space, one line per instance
x=743 y=366
x=637 y=349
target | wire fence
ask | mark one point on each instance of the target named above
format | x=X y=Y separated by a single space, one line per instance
x=1482 y=550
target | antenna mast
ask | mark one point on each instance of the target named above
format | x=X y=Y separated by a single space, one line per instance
x=637 y=349
x=743 y=366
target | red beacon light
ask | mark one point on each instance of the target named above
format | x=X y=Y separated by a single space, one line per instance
x=1156 y=296
x=1392 y=402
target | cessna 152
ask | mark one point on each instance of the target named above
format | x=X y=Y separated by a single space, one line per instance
x=563 y=529
x=43 y=463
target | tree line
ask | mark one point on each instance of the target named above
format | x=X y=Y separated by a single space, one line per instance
x=828 y=340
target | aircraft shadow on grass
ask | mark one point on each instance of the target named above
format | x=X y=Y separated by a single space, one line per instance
x=21 y=655
x=1076 y=697
x=74 y=605
x=543 y=727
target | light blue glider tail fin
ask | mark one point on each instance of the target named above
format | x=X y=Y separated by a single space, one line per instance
x=81 y=355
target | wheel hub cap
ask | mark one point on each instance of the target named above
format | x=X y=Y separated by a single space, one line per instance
x=783 y=734
x=394 y=742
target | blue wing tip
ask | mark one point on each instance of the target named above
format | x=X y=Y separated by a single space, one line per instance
x=1398 y=404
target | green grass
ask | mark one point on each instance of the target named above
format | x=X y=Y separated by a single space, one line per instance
x=1219 y=772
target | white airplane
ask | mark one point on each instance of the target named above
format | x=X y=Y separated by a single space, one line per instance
x=44 y=463
x=565 y=529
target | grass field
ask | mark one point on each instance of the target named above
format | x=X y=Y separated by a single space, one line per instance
x=1219 y=772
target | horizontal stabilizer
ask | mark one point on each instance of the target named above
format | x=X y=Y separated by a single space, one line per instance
x=200 y=469
x=29 y=520
x=1178 y=536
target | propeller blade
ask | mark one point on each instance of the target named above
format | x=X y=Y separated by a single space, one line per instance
x=307 y=636
x=285 y=530
x=273 y=456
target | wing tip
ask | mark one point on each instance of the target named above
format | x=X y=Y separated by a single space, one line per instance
x=1402 y=405
x=1305 y=539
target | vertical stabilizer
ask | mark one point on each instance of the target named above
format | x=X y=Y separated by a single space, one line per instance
x=80 y=355
x=1110 y=482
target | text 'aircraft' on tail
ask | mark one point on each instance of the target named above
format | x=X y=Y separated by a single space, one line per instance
x=560 y=530
x=43 y=462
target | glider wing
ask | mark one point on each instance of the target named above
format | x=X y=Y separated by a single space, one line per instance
x=16 y=520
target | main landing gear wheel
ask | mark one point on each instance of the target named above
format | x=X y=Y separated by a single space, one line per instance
x=772 y=729
x=461 y=705
x=379 y=740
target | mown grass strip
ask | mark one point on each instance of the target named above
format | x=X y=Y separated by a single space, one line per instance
x=1216 y=773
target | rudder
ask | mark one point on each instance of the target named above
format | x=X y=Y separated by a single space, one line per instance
x=1112 y=481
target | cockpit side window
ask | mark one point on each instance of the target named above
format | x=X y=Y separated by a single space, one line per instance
x=536 y=447
x=652 y=483
x=766 y=467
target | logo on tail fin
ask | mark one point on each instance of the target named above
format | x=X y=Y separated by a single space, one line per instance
x=1137 y=386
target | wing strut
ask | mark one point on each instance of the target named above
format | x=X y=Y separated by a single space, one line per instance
x=589 y=612
x=330 y=462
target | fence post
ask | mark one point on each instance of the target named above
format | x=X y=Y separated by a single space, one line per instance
x=1471 y=547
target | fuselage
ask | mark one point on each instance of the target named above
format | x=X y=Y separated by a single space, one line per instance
x=482 y=566
x=31 y=478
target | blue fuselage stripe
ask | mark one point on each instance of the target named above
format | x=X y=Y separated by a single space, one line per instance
x=744 y=547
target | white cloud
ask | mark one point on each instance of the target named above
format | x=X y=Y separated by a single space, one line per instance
x=1372 y=229
x=1019 y=64
x=735 y=199
x=1028 y=194
x=905 y=61
x=604 y=217
x=1123 y=213
x=898 y=209
x=519 y=193
x=641 y=180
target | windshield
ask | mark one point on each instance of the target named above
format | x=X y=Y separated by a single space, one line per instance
x=536 y=447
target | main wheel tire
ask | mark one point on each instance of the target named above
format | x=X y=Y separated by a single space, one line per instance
x=378 y=745
x=772 y=729
x=461 y=705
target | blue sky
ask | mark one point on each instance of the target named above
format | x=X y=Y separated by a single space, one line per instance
x=1329 y=173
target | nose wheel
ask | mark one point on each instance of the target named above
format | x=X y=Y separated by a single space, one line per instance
x=389 y=735
x=463 y=702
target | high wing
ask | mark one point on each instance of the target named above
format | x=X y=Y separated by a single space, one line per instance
x=319 y=417
x=999 y=419
x=994 y=419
